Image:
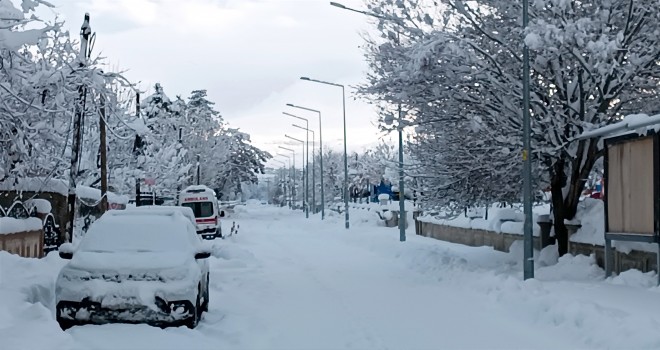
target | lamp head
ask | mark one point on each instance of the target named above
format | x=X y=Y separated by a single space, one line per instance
x=336 y=4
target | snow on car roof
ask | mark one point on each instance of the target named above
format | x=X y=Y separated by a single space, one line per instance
x=197 y=189
x=139 y=232
x=158 y=210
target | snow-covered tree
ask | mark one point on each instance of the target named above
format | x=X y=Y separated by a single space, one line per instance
x=461 y=83
x=43 y=80
x=34 y=99
x=241 y=165
x=164 y=158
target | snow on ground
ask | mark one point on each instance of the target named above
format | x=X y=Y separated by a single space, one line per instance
x=286 y=282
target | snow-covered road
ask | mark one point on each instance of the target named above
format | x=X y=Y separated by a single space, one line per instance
x=318 y=287
x=286 y=282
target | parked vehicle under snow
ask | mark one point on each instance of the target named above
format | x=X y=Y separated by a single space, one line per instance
x=135 y=267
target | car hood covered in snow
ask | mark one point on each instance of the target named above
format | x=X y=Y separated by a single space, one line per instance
x=123 y=261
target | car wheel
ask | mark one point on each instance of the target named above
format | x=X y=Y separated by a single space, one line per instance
x=65 y=324
x=193 y=320
x=205 y=304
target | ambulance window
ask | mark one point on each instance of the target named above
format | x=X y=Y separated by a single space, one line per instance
x=206 y=209
x=201 y=209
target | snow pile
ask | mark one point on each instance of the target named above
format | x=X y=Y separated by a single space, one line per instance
x=591 y=216
x=500 y=220
x=636 y=278
x=27 y=297
x=42 y=206
x=548 y=256
x=11 y=225
x=504 y=216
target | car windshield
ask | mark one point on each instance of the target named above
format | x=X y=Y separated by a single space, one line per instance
x=201 y=209
x=138 y=233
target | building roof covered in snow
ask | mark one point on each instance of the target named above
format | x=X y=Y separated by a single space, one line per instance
x=36 y=184
x=95 y=194
x=641 y=124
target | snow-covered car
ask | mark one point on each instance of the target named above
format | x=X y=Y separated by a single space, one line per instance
x=135 y=267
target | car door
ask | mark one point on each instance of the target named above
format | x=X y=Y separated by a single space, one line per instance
x=203 y=264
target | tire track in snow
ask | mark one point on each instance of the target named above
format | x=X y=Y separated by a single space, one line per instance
x=358 y=324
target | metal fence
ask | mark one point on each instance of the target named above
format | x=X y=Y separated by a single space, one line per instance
x=51 y=229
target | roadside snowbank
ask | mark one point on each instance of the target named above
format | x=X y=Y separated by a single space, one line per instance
x=570 y=297
x=26 y=302
x=500 y=220
x=590 y=216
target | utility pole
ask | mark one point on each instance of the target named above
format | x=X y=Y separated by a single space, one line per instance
x=137 y=150
x=85 y=32
x=178 y=186
x=104 y=158
x=528 y=245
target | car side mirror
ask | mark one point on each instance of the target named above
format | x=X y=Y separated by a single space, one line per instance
x=202 y=255
x=66 y=251
x=222 y=213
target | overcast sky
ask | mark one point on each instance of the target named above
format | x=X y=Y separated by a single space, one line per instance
x=248 y=54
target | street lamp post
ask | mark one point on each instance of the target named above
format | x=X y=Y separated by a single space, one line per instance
x=343 y=98
x=306 y=162
x=313 y=167
x=293 y=191
x=305 y=182
x=402 y=194
x=320 y=154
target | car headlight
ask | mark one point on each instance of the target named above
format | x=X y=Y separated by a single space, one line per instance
x=177 y=273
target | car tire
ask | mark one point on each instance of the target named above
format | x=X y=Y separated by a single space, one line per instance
x=205 y=304
x=193 y=320
x=65 y=324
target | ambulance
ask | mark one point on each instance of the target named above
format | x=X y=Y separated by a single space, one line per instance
x=204 y=204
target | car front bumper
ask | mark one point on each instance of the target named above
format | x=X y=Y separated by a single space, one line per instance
x=166 y=313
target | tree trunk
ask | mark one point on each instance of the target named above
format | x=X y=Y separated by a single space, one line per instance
x=559 y=213
x=565 y=208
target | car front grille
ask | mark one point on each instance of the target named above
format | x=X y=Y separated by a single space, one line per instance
x=118 y=278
